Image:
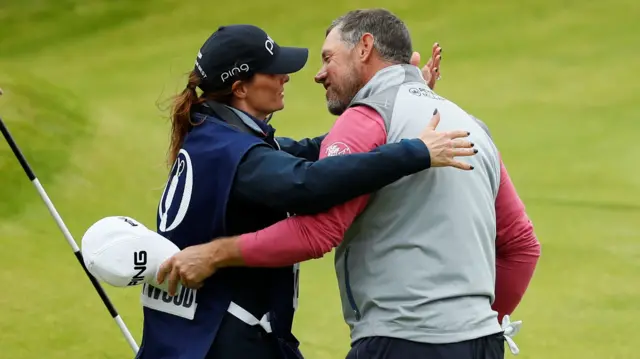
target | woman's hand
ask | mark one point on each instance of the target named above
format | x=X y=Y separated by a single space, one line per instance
x=430 y=71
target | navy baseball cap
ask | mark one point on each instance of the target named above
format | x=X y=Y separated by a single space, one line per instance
x=236 y=51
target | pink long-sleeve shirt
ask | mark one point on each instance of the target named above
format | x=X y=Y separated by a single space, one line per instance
x=300 y=238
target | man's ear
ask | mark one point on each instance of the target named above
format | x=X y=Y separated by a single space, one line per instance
x=365 y=48
x=239 y=89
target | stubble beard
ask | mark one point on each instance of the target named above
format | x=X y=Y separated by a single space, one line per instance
x=338 y=101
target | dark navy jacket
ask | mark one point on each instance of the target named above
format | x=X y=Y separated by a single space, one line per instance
x=227 y=182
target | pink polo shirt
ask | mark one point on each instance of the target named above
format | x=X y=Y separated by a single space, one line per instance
x=300 y=238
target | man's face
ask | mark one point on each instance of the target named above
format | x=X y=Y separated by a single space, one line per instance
x=339 y=74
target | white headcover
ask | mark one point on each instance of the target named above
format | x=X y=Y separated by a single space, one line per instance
x=123 y=252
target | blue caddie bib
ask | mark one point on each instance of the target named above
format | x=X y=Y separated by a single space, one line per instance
x=192 y=211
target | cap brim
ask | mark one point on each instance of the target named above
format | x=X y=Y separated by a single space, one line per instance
x=288 y=61
x=123 y=252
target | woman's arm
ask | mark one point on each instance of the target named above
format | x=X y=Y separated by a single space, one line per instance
x=308 y=148
x=292 y=184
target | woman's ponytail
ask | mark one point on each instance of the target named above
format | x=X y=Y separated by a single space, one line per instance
x=181 y=111
x=181 y=116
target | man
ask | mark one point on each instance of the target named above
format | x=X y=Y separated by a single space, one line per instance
x=426 y=266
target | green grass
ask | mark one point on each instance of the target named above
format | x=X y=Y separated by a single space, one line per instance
x=85 y=83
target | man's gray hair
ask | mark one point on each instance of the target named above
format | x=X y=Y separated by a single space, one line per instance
x=391 y=36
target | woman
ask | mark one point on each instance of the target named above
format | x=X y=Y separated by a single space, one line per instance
x=229 y=176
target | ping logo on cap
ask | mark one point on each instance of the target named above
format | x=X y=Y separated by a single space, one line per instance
x=234 y=71
x=268 y=44
x=139 y=265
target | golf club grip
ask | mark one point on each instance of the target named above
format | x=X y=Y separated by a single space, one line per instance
x=76 y=251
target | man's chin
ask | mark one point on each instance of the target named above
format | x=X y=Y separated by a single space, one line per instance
x=336 y=108
x=336 y=111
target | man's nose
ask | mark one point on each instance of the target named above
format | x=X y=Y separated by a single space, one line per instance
x=320 y=76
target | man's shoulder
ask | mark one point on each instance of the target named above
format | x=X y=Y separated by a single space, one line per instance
x=362 y=110
x=482 y=125
x=380 y=105
x=358 y=117
x=358 y=129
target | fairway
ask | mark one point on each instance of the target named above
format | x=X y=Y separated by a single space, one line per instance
x=86 y=86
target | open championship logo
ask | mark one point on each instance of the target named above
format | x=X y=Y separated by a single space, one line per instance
x=177 y=190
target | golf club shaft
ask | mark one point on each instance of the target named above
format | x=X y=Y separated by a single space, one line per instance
x=76 y=250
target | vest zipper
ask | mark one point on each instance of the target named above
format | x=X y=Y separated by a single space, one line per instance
x=347 y=284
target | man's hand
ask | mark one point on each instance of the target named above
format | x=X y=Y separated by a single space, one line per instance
x=444 y=146
x=430 y=71
x=194 y=264
x=191 y=266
